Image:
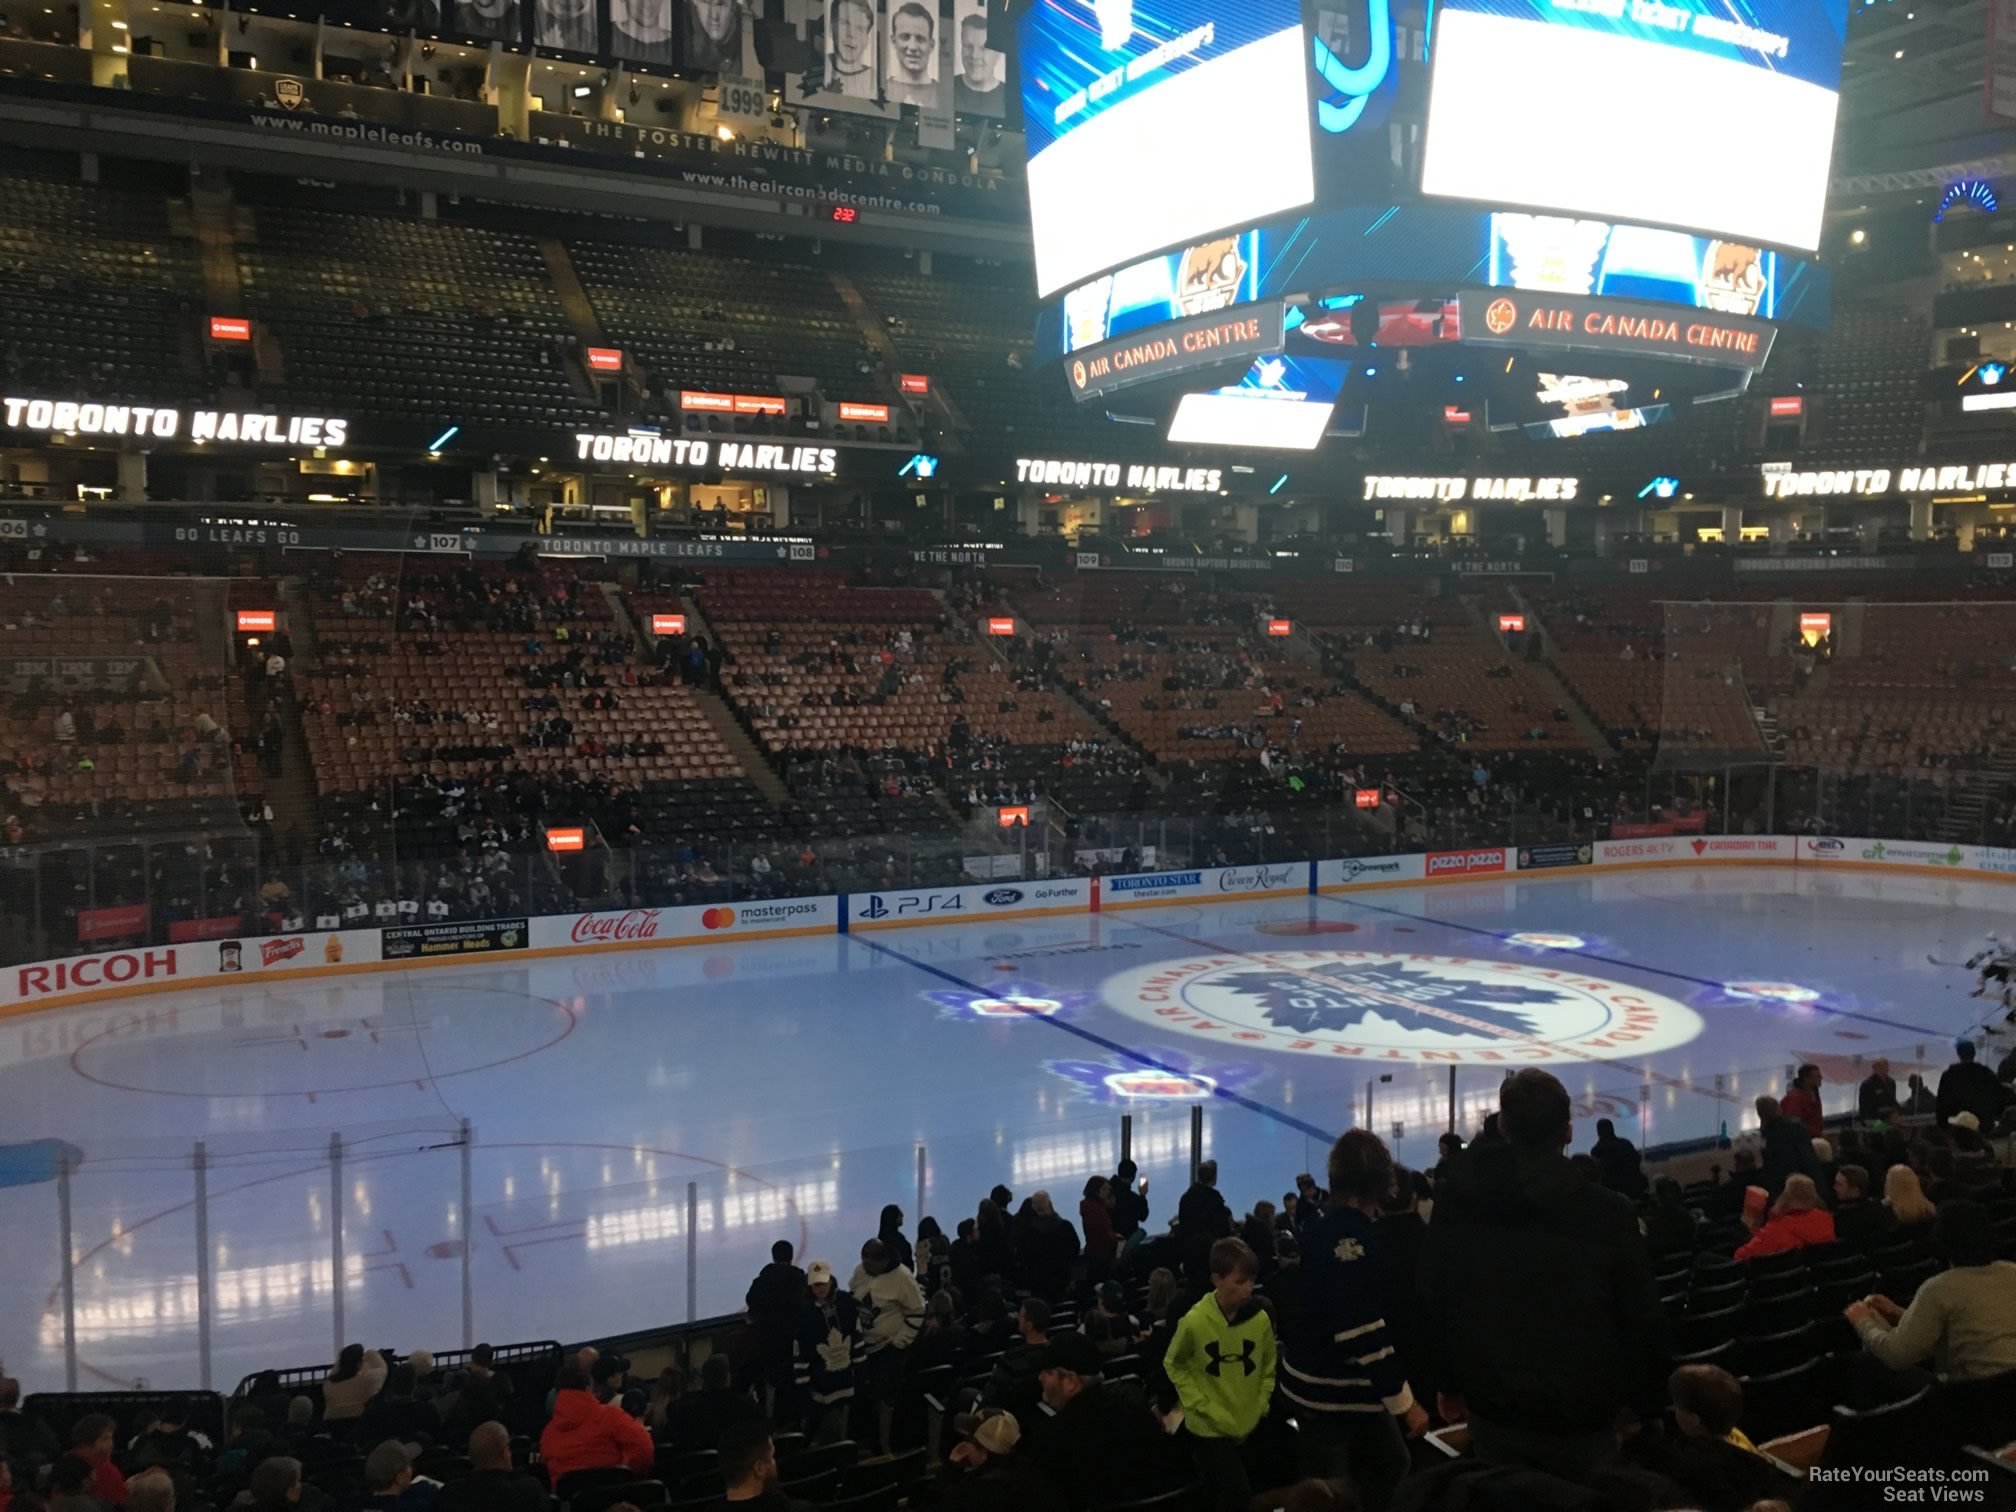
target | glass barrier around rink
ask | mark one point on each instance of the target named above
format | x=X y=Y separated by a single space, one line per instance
x=192 y=887
x=195 y=1264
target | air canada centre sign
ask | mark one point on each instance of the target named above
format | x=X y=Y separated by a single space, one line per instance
x=1622 y=327
x=1375 y=1006
x=1222 y=336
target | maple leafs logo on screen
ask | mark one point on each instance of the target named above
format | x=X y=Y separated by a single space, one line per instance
x=1342 y=995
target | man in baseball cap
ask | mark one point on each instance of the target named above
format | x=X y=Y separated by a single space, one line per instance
x=983 y=1473
x=389 y=1480
x=1104 y=1445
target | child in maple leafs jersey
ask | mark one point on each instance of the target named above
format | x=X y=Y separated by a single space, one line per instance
x=1221 y=1362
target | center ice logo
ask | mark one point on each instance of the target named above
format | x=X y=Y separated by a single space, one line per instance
x=1403 y=1007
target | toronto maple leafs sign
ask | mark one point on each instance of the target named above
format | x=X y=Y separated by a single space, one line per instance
x=1382 y=1006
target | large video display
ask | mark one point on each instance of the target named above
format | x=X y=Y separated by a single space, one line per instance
x=1152 y=122
x=1710 y=114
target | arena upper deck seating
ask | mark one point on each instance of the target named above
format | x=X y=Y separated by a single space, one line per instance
x=722 y=321
x=392 y=318
x=100 y=297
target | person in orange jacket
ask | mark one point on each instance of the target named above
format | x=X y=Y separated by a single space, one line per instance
x=1797 y=1219
x=587 y=1434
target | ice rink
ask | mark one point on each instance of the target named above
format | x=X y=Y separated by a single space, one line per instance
x=627 y=1109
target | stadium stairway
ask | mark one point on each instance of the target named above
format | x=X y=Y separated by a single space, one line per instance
x=876 y=334
x=761 y=774
x=293 y=795
x=741 y=745
x=1966 y=812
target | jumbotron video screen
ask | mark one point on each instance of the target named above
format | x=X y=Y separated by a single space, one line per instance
x=1303 y=158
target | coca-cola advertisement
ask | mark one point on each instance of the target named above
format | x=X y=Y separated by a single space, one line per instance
x=608 y=928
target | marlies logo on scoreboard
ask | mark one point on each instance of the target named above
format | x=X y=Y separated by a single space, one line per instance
x=1379 y=1006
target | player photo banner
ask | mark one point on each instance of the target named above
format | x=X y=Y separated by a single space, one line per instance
x=564 y=25
x=910 y=73
x=490 y=20
x=979 y=72
x=852 y=80
x=712 y=37
x=935 y=120
x=645 y=31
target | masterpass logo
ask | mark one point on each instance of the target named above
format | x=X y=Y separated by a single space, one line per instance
x=1374 y=1005
x=718 y=918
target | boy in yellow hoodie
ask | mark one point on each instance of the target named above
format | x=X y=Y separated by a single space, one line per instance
x=1221 y=1362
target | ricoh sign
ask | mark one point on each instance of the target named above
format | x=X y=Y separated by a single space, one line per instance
x=145 y=422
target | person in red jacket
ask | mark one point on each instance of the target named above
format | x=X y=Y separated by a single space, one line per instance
x=1102 y=1240
x=1797 y=1220
x=91 y=1442
x=1801 y=1102
x=586 y=1434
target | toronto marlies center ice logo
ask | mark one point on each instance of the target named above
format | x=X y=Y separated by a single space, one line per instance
x=1382 y=1006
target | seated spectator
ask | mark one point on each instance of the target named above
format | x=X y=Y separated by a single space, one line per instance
x=749 y=1469
x=1859 y=1221
x=247 y=1441
x=151 y=1491
x=1796 y=1220
x=1711 y=1458
x=1671 y=1227
x=357 y=1378
x=276 y=1487
x=585 y=1434
x=1963 y=1319
x=698 y=1421
x=1908 y=1204
x=389 y=1481
x=91 y=1442
x=984 y=1473
x=492 y=1485
x=397 y=1413
x=1102 y=1445
x=1015 y=1383
x=28 y=1442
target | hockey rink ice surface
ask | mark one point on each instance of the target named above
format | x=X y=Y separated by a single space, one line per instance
x=623 y=1101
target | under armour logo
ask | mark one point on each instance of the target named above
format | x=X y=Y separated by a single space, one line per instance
x=1244 y=1359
